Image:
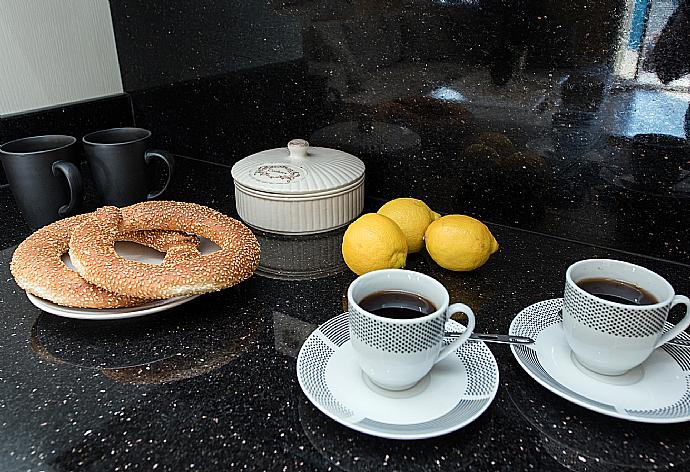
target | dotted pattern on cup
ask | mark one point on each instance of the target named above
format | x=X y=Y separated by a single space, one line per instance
x=396 y=338
x=613 y=320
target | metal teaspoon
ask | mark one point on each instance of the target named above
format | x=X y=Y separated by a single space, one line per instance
x=523 y=340
x=495 y=338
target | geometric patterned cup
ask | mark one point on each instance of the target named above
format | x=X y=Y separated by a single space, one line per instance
x=611 y=338
x=395 y=354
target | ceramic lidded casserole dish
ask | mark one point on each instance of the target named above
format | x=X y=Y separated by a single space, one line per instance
x=299 y=189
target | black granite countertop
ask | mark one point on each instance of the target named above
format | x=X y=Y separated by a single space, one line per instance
x=211 y=384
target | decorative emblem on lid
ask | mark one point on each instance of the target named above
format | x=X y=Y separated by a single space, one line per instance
x=278 y=173
x=281 y=172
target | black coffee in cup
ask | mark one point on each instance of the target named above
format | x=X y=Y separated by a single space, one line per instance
x=397 y=304
x=617 y=291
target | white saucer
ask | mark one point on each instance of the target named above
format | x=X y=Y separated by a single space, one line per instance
x=456 y=391
x=108 y=314
x=658 y=391
x=135 y=252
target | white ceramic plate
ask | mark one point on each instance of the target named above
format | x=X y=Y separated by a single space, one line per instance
x=130 y=251
x=456 y=391
x=658 y=391
x=108 y=314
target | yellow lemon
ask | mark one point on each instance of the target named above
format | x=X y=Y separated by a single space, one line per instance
x=373 y=242
x=413 y=216
x=459 y=242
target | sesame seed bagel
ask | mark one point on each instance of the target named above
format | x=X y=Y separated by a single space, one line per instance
x=38 y=268
x=94 y=257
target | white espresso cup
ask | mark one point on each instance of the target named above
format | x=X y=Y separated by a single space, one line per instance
x=397 y=353
x=611 y=338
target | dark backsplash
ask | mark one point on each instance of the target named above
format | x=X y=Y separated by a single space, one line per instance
x=161 y=43
x=511 y=111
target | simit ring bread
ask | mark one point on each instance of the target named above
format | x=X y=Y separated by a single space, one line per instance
x=38 y=268
x=93 y=254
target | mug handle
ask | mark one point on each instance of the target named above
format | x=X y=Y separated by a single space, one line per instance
x=682 y=325
x=458 y=308
x=169 y=162
x=73 y=177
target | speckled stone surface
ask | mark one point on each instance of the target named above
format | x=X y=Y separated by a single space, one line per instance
x=211 y=385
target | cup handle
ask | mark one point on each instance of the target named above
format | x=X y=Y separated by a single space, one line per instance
x=73 y=177
x=169 y=162
x=682 y=325
x=458 y=308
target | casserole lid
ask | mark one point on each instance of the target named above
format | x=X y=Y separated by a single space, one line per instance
x=298 y=169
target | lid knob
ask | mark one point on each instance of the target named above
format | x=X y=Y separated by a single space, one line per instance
x=298 y=148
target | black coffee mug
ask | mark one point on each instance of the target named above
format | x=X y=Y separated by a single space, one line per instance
x=44 y=177
x=658 y=159
x=119 y=160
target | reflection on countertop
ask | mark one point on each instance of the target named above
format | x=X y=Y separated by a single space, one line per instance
x=300 y=257
x=560 y=436
x=155 y=350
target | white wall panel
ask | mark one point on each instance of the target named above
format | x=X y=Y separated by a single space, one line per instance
x=54 y=52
